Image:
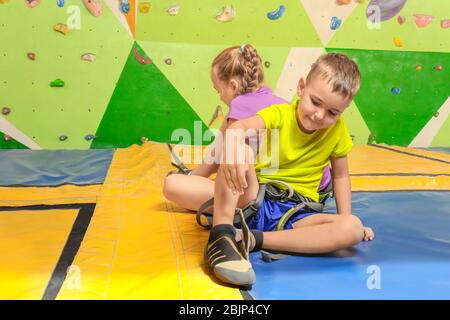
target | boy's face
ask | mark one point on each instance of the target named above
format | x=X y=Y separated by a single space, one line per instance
x=319 y=107
x=227 y=92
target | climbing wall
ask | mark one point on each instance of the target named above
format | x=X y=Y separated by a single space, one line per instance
x=121 y=72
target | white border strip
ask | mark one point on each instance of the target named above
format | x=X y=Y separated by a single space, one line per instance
x=427 y=134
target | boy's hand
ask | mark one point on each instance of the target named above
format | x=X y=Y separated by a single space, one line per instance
x=235 y=177
x=368 y=234
x=235 y=160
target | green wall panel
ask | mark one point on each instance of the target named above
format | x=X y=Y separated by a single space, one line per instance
x=398 y=118
x=355 y=33
x=190 y=71
x=356 y=125
x=144 y=104
x=44 y=113
x=196 y=24
x=10 y=144
x=443 y=136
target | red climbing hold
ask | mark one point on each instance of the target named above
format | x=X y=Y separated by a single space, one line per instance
x=32 y=3
x=139 y=58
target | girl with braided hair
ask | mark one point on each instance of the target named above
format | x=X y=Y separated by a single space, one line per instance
x=237 y=76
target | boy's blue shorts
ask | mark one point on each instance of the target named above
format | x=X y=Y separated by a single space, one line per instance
x=270 y=213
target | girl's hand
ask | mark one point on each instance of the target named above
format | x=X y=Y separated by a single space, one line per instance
x=368 y=234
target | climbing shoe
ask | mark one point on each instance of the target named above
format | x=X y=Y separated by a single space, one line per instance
x=226 y=258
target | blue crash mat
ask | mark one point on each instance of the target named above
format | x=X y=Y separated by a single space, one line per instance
x=409 y=258
x=53 y=168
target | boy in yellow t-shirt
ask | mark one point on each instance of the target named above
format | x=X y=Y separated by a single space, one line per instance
x=300 y=141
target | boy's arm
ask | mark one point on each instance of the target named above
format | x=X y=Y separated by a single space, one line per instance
x=341 y=185
x=207 y=169
x=342 y=191
x=233 y=154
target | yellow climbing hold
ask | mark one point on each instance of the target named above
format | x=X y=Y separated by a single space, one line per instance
x=227 y=14
x=144 y=7
x=62 y=28
x=398 y=42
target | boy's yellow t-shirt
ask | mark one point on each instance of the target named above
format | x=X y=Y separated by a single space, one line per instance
x=302 y=157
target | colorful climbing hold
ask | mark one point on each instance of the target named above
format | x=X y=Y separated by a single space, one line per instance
x=173 y=10
x=61 y=28
x=422 y=20
x=436 y=114
x=124 y=6
x=335 y=23
x=6 y=137
x=267 y=64
x=419 y=68
x=60 y=3
x=6 y=111
x=90 y=137
x=57 y=83
x=438 y=68
x=227 y=14
x=343 y=2
x=32 y=3
x=139 y=58
x=445 y=24
x=168 y=61
x=398 y=42
x=386 y=9
x=395 y=90
x=401 y=19
x=31 y=56
x=95 y=7
x=63 y=138
x=371 y=139
x=276 y=14
x=144 y=139
x=144 y=7
x=88 y=57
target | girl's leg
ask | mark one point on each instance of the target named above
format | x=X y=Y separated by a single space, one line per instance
x=317 y=234
x=189 y=192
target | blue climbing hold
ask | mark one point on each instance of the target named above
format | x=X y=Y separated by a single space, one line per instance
x=60 y=3
x=277 y=14
x=124 y=6
x=395 y=90
x=335 y=23
x=90 y=137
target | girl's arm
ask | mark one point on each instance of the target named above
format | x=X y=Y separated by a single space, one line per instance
x=341 y=185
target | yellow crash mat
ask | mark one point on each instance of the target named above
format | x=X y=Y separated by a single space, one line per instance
x=137 y=245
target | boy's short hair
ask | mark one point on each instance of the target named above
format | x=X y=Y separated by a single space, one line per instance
x=341 y=71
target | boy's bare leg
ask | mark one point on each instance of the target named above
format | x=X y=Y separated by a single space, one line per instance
x=222 y=252
x=320 y=233
x=225 y=202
